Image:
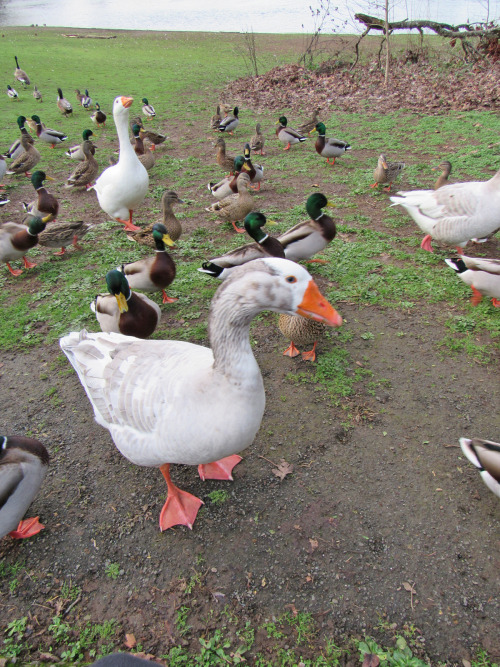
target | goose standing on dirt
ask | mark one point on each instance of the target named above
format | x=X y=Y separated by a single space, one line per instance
x=167 y=401
x=329 y=148
x=485 y=455
x=482 y=275
x=23 y=466
x=123 y=311
x=20 y=75
x=442 y=179
x=76 y=152
x=27 y=159
x=86 y=171
x=230 y=122
x=456 y=213
x=16 y=240
x=98 y=117
x=287 y=135
x=52 y=137
x=122 y=187
x=386 y=172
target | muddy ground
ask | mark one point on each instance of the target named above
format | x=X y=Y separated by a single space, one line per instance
x=370 y=510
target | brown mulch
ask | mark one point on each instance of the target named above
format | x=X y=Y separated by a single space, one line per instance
x=416 y=87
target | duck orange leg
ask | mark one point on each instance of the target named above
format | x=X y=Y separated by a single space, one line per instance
x=14 y=272
x=328 y=161
x=291 y=351
x=220 y=469
x=168 y=299
x=75 y=243
x=27 y=528
x=496 y=302
x=28 y=264
x=128 y=223
x=62 y=251
x=311 y=354
x=388 y=188
x=287 y=148
x=476 y=297
x=237 y=229
x=180 y=508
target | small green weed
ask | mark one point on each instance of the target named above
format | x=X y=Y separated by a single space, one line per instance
x=218 y=496
x=112 y=570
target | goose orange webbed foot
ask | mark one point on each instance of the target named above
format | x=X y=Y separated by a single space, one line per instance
x=220 y=469
x=128 y=224
x=180 y=508
x=27 y=528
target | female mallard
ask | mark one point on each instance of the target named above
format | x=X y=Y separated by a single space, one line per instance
x=257 y=141
x=122 y=187
x=228 y=186
x=216 y=119
x=98 y=117
x=123 y=311
x=264 y=246
x=20 y=75
x=63 y=104
x=61 y=234
x=86 y=171
x=308 y=238
x=79 y=96
x=23 y=466
x=255 y=171
x=386 y=172
x=151 y=139
x=235 y=207
x=309 y=125
x=482 y=275
x=287 y=135
x=46 y=204
x=156 y=273
x=148 y=109
x=146 y=157
x=27 y=159
x=329 y=148
x=37 y=94
x=222 y=158
x=485 y=455
x=16 y=240
x=445 y=168
x=184 y=390
x=17 y=148
x=76 y=152
x=455 y=213
x=169 y=220
x=52 y=137
x=302 y=332
x=230 y=122
x=12 y=93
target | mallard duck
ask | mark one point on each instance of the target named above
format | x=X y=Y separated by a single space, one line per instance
x=12 y=93
x=257 y=141
x=79 y=96
x=16 y=148
x=255 y=171
x=20 y=75
x=23 y=466
x=148 y=109
x=37 y=94
x=223 y=160
x=185 y=389
x=76 y=152
x=86 y=171
x=169 y=220
x=287 y=135
x=3 y=169
x=123 y=311
x=63 y=104
x=61 y=234
x=156 y=273
x=230 y=122
x=482 y=275
x=98 y=117
x=151 y=139
x=16 y=240
x=146 y=157
x=386 y=172
x=227 y=186
x=27 y=159
x=86 y=100
x=485 y=455
x=264 y=246
x=329 y=148
x=309 y=125
x=235 y=207
x=122 y=187
x=225 y=109
x=52 y=137
x=216 y=119
x=46 y=204
x=4 y=200
x=445 y=168
x=455 y=213
x=301 y=331
x=308 y=238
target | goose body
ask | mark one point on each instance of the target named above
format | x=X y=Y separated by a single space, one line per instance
x=235 y=207
x=98 y=117
x=167 y=401
x=485 y=455
x=23 y=466
x=63 y=104
x=386 y=172
x=27 y=159
x=52 y=137
x=308 y=238
x=86 y=171
x=123 y=311
x=20 y=75
x=329 y=148
x=287 y=135
x=16 y=240
x=455 y=213
x=148 y=109
x=482 y=275
x=230 y=122
x=122 y=187
x=76 y=152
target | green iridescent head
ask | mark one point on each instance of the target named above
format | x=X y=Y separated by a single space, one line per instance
x=253 y=223
x=86 y=134
x=315 y=203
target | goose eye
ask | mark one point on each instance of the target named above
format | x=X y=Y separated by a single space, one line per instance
x=291 y=279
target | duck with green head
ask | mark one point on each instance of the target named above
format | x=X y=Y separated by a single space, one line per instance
x=287 y=135
x=329 y=148
x=27 y=159
x=148 y=109
x=16 y=149
x=230 y=122
x=228 y=185
x=98 y=117
x=76 y=152
x=46 y=203
x=146 y=157
x=16 y=240
x=52 y=137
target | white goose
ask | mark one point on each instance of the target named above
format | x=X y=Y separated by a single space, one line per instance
x=485 y=455
x=455 y=213
x=167 y=401
x=122 y=187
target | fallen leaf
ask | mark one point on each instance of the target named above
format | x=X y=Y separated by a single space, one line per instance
x=371 y=660
x=314 y=543
x=408 y=587
x=283 y=469
x=130 y=641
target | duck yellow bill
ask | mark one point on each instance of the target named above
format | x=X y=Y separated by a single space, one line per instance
x=316 y=307
x=167 y=240
x=122 y=302
x=127 y=101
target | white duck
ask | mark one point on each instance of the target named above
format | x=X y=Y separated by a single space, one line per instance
x=482 y=275
x=122 y=187
x=455 y=213
x=167 y=401
x=23 y=466
x=485 y=455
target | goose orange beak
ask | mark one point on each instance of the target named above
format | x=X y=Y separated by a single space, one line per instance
x=127 y=101
x=316 y=307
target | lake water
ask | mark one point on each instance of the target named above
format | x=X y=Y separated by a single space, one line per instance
x=273 y=16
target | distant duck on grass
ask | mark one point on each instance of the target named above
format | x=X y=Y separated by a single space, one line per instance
x=37 y=94
x=28 y=159
x=329 y=148
x=386 y=172
x=20 y=75
x=17 y=148
x=63 y=104
x=12 y=93
x=148 y=109
x=145 y=156
x=228 y=186
x=76 y=152
x=52 y=137
x=98 y=117
x=257 y=141
x=235 y=207
x=287 y=135
x=86 y=171
x=230 y=122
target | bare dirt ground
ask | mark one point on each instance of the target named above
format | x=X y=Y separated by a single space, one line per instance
x=380 y=523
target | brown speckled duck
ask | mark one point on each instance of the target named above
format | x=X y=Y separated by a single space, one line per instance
x=27 y=159
x=235 y=207
x=302 y=332
x=146 y=157
x=86 y=171
x=442 y=179
x=168 y=200
x=386 y=172
x=61 y=234
x=257 y=141
x=222 y=158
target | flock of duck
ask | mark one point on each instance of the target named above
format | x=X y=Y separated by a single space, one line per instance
x=149 y=415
